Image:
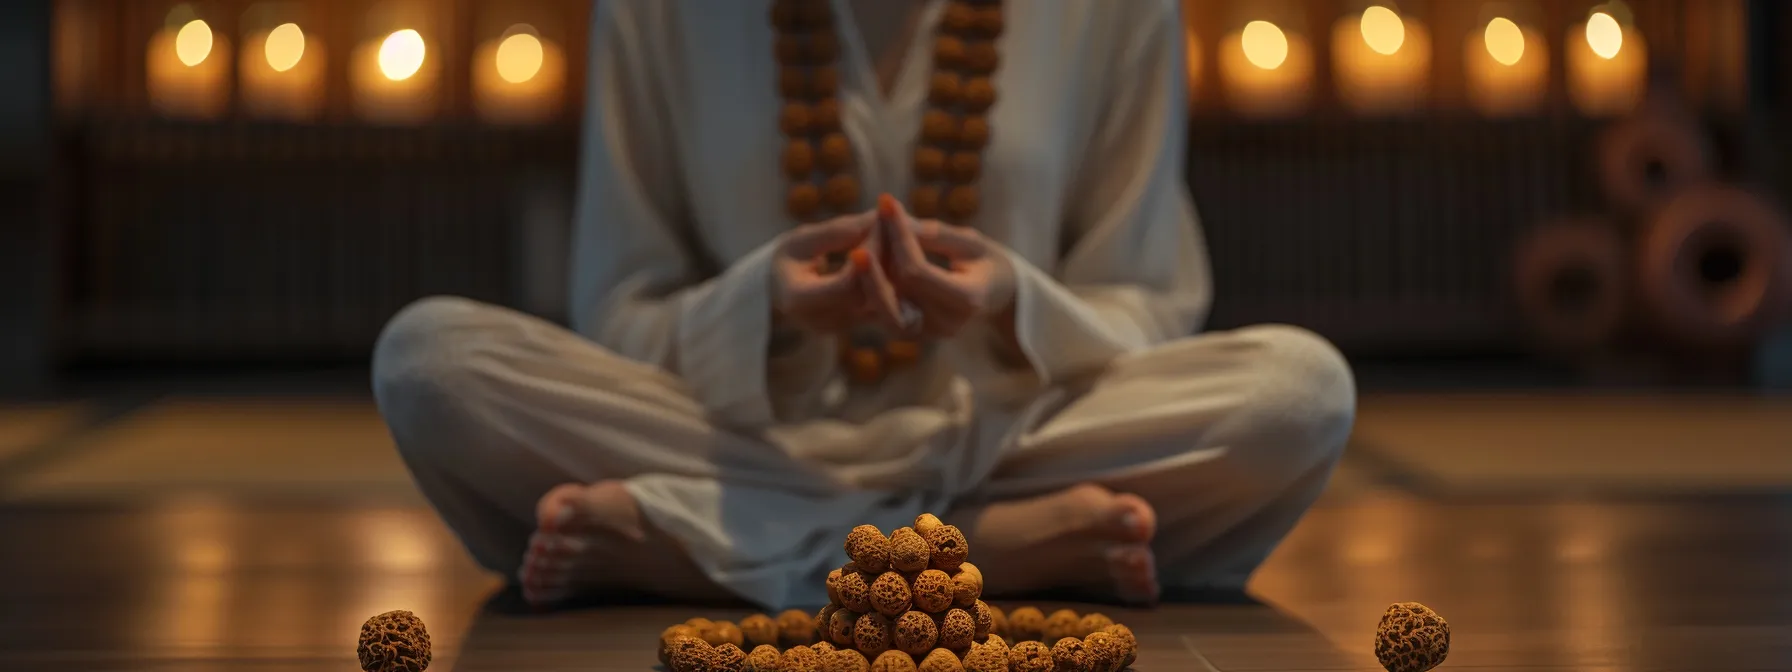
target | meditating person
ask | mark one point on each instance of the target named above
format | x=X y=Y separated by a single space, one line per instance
x=762 y=357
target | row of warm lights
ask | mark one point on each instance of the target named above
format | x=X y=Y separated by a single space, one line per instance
x=1504 y=41
x=187 y=80
x=1383 y=71
x=519 y=56
x=1267 y=68
x=284 y=46
x=1266 y=46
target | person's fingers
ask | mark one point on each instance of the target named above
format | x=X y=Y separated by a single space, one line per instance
x=879 y=292
x=955 y=243
x=828 y=321
x=881 y=304
x=904 y=250
x=823 y=238
x=803 y=287
x=933 y=289
x=936 y=290
x=910 y=317
x=844 y=313
x=916 y=276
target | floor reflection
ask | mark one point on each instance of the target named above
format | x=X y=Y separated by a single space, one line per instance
x=1576 y=585
x=203 y=581
x=208 y=584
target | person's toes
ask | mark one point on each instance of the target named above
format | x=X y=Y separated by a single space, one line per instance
x=548 y=578
x=550 y=564
x=1133 y=570
x=534 y=559
x=555 y=511
x=541 y=586
x=1135 y=520
x=538 y=563
x=574 y=523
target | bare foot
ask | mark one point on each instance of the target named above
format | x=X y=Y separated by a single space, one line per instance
x=1084 y=537
x=579 y=529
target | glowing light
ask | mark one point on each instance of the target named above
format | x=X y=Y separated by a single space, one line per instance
x=1604 y=35
x=285 y=46
x=1383 y=30
x=1264 y=45
x=193 y=43
x=519 y=58
x=401 y=55
x=1505 y=41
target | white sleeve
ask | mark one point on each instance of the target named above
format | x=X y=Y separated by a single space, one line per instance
x=1137 y=273
x=640 y=288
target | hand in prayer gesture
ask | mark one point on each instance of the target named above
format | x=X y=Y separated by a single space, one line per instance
x=811 y=293
x=974 y=278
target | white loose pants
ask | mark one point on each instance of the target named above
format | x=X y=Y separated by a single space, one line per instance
x=1230 y=436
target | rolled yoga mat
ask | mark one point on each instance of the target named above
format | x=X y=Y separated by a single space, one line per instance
x=1572 y=279
x=1712 y=267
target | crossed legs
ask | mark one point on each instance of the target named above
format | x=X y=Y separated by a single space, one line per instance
x=1182 y=466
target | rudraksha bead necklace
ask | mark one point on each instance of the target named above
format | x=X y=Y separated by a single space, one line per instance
x=818 y=159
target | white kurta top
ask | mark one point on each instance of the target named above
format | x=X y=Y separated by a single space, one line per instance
x=682 y=203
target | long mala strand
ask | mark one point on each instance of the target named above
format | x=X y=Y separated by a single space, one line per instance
x=818 y=159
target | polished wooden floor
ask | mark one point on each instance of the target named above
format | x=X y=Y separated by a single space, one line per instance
x=113 y=563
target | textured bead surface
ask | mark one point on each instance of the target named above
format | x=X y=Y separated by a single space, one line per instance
x=841 y=193
x=973 y=132
x=916 y=633
x=803 y=201
x=945 y=88
x=395 y=641
x=924 y=202
x=962 y=203
x=981 y=57
x=978 y=94
x=799 y=159
x=930 y=164
x=795 y=119
x=825 y=116
x=939 y=127
x=964 y=167
x=836 y=155
x=948 y=52
x=908 y=551
x=959 y=18
x=1411 y=638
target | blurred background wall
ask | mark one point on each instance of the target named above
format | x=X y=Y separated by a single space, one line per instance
x=1580 y=187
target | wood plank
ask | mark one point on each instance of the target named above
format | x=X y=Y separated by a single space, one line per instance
x=1551 y=443
x=1624 y=585
x=26 y=426
x=212 y=581
x=319 y=448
